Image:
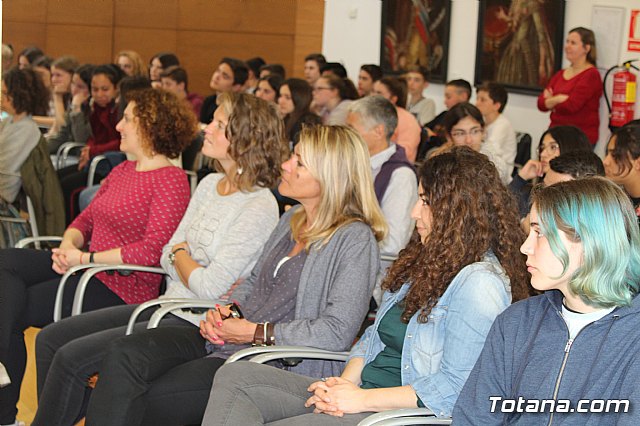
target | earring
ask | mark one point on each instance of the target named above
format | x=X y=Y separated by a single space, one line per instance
x=239 y=171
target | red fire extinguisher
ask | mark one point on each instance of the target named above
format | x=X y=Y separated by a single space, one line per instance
x=621 y=109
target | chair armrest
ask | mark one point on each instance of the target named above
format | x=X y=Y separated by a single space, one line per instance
x=317 y=354
x=182 y=304
x=86 y=277
x=150 y=304
x=63 y=153
x=405 y=416
x=276 y=352
x=193 y=180
x=57 y=306
x=92 y=168
x=34 y=240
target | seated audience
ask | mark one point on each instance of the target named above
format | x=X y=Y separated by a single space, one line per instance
x=464 y=126
x=424 y=109
x=407 y=133
x=62 y=70
x=253 y=66
x=22 y=94
x=175 y=80
x=144 y=198
x=553 y=142
x=269 y=87
x=28 y=55
x=579 y=340
x=437 y=310
x=622 y=162
x=312 y=283
x=76 y=126
x=491 y=99
x=369 y=74
x=455 y=92
x=230 y=76
x=312 y=64
x=270 y=69
x=104 y=138
x=394 y=178
x=131 y=64
x=332 y=95
x=42 y=66
x=158 y=63
x=294 y=105
x=217 y=243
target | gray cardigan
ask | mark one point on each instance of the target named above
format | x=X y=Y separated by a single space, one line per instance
x=333 y=295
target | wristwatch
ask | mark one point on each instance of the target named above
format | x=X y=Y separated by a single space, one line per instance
x=172 y=255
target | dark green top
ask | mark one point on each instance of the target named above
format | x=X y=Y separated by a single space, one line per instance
x=384 y=370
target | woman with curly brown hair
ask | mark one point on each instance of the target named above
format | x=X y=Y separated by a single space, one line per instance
x=458 y=273
x=133 y=215
x=229 y=218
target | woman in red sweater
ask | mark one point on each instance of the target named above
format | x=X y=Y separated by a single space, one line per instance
x=131 y=218
x=104 y=136
x=573 y=94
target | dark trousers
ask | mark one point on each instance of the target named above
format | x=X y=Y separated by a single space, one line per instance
x=72 y=182
x=28 y=288
x=157 y=377
x=69 y=352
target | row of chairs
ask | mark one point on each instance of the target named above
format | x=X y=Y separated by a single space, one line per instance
x=255 y=354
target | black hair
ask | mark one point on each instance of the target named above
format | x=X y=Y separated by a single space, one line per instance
x=85 y=72
x=274 y=69
x=112 y=71
x=317 y=57
x=496 y=92
x=334 y=67
x=254 y=65
x=578 y=164
x=460 y=111
x=167 y=59
x=31 y=53
x=130 y=84
x=398 y=88
x=461 y=85
x=373 y=70
x=239 y=68
x=627 y=145
x=568 y=138
x=177 y=74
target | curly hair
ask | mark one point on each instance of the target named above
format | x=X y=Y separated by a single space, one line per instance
x=26 y=91
x=257 y=142
x=165 y=123
x=472 y=213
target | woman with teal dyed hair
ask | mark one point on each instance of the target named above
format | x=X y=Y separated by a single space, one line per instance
x=570 y=354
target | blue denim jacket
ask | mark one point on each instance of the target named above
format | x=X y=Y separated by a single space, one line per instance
x=438 y=355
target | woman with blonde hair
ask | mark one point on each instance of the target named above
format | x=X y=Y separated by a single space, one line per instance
x=461 y=269
x=311 y=284
x=131 y=63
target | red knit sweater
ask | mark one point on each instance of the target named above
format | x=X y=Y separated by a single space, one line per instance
x=582 y=107
x=138 y=212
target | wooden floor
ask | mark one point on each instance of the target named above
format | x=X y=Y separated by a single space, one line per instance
x=28 y=403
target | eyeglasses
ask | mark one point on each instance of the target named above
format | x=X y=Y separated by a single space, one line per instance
x=461 y=134
x=551 y=146
x=315 y=89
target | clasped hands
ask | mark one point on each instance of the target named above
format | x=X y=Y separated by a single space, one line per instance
x=219 y=328
x=65 y=257
x=336 y=396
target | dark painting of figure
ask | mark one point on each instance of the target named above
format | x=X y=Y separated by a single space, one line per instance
x=519 y=42
x=415 y=32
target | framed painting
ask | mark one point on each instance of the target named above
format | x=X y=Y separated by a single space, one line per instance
x=415 y=32
x=520 y=43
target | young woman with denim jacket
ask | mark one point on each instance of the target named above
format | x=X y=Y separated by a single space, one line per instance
x=443 y=294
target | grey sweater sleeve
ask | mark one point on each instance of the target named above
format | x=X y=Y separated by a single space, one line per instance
x=333 y=297
x=76 y=128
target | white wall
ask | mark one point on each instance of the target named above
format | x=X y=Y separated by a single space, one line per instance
x=352 y=36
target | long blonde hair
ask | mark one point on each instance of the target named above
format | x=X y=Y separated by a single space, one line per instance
x=338 y=158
